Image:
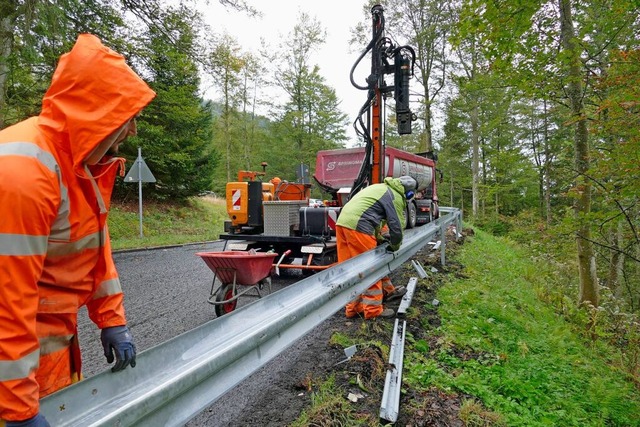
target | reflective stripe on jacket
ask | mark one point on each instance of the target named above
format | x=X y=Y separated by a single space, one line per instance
x=55 y=253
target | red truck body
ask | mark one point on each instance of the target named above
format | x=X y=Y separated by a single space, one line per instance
x=337 y=169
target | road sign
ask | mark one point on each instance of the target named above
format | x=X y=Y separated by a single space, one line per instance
x=139 y=172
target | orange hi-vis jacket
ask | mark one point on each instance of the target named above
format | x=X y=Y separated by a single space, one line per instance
x=55 y=253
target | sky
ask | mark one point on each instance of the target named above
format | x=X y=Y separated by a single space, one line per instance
x=334 y=57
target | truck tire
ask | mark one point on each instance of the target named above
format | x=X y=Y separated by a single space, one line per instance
x=411 y=215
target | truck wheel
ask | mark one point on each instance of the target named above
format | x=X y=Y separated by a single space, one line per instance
x=411 y=215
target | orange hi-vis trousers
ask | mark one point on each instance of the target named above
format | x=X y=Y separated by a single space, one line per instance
x=350 y=244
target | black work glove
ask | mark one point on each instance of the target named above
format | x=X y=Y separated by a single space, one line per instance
x=118 y=339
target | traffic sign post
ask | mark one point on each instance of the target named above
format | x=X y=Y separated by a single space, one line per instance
x=139 y=173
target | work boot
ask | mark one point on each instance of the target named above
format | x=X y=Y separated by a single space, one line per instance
x=387 y=312
x=397 y=294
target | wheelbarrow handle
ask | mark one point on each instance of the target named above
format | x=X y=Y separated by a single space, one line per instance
x=287 y=252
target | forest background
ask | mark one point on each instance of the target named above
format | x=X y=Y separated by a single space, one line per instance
x=540 y=100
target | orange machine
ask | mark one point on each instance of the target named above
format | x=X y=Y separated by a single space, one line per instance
x=246 y=196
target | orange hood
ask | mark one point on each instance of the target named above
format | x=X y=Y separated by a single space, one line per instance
x=93 y=92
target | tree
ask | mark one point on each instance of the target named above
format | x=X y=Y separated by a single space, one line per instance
x=175 y=133
x=522 y=41
x=225 y=68
x=425 y=24
x=618 y=127
x=582 y=206
x=473 y=65
x=310 y=119
x=33 y=35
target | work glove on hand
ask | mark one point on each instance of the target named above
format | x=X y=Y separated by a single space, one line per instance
x=381 y=241
x=383 y=238
x=118 y=339
x=392 y=247
x=38 y=421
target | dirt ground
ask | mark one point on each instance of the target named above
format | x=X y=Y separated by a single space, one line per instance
x=361 y=378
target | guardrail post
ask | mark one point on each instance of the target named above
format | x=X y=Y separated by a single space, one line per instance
x=443 y=239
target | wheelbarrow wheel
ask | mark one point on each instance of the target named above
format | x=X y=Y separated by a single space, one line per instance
x=225 y=293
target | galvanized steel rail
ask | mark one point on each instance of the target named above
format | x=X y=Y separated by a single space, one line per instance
x=389 y=408
x=177 y=379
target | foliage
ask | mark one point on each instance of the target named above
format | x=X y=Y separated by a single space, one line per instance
x=34 y=34
x=310 y=120
x=529 y=364
x=175 y=129
x=424 y=25
x=226 y=68
x=498 y=225
x=615 y=321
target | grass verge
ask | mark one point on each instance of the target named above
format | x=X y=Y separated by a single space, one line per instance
x=196 y=220
x=491 y=352
x=502 y=345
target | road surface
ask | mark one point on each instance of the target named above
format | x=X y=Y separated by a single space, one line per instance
x=166 y=292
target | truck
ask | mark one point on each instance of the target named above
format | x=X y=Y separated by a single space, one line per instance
x=337 y=170
x=275 y=215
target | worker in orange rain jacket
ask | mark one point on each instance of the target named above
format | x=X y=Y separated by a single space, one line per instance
x=56 y=180
x=360 y=222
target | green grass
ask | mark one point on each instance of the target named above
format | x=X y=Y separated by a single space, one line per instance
x=330 y=408
x=528 y=364
x=196 y=220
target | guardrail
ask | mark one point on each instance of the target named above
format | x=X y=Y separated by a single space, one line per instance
x=177 y=379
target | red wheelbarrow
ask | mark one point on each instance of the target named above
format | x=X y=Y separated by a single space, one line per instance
x=251 y=270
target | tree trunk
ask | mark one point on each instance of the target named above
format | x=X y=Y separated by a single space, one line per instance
x=616 y=259
x=589 y=292
x=475 y=162
x=428 y=141
x=547 y=167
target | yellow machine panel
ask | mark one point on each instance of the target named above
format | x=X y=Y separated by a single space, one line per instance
x=237 y=196
x=244 y=204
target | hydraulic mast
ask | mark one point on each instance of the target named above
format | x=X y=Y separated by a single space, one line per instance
x=386 y=58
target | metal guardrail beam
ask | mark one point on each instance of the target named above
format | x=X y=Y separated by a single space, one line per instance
x=405 y=303
x=177 y=379
x=390 y=406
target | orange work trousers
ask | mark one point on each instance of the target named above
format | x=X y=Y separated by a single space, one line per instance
x=350 y=244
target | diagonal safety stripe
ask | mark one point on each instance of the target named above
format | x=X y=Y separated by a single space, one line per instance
x=92 y=241
x=108 y=287
x=54 y=343
x=29 y=149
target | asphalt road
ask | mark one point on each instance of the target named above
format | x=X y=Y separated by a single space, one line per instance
x=166 y=292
